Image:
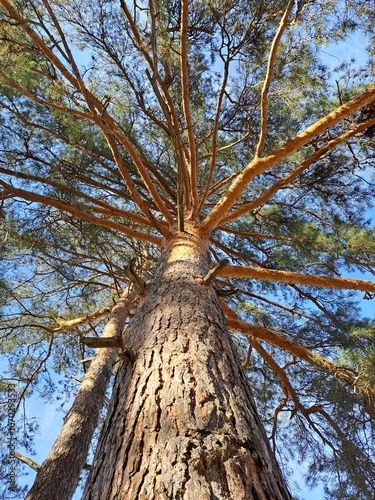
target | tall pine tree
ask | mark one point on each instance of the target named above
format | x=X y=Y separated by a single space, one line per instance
x=202 y=166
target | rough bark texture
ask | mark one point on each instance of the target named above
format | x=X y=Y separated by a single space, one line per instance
x=59 y=474
x=182 y=423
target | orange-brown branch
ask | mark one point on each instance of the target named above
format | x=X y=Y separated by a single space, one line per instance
x=186 y=104
x=98 y=206
x=65 y=207
x=288 y=389
x=71 y=323
x=297 y=278
x=268 y=79
x=98 y=111
x=297 y=171
x=259 y=165
x=277 y=339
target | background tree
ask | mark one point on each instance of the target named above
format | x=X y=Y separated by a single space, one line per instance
x=135 y=138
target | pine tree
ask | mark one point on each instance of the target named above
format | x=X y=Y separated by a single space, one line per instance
x=200 y=165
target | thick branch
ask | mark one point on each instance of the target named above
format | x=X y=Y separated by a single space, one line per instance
x=55 y=61
x=296 y=278
x=259 y=165
x=277 y=339
x=247 y=207
x=186 y=103
x=165 y=100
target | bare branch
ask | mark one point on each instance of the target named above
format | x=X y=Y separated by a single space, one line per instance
x=26 y=460
x=71 y=323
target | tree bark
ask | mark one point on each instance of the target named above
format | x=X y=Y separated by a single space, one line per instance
x=59 y=474
x=182 y=422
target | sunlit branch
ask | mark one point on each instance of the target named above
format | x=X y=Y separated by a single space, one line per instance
x=186 y=104
x=65 y=207
x=214 y=137
x=216 y=187
x=112 y=129
x=66 y=46
x=259 y=165
x=350 y=379
x=183 y=180
x=267 y=82
x=47 y=51
x=297 y=171
x=297 y=278
x=28 y=461
x=71 y=323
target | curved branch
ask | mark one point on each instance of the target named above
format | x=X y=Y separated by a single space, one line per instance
x=288 y=389
x=98 y=110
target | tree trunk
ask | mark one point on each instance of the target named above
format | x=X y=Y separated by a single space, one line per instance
x=59 y=474
x=182 y=422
